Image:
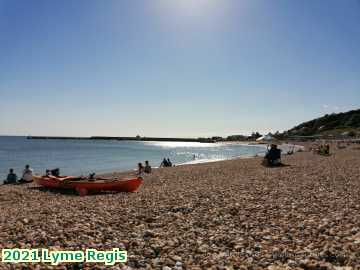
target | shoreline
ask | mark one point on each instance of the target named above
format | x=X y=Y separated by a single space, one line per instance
x=196 y=161
x=298 y=148
x=88 y=166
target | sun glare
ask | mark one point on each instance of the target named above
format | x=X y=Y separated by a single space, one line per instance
x=182 y=144
x=189 y=8
x=192 y=7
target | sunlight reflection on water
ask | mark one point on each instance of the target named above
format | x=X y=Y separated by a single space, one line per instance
x=182 y=144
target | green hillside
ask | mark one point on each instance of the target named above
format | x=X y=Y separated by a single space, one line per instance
x=331 y=124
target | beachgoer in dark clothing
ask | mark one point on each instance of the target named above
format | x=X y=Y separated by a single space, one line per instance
x=11 y=177
x=164 y=163
x=147 y=168
x=55 y=172
x=327 y=149
x=169 y=162
x=273 y=156
x=324 y=150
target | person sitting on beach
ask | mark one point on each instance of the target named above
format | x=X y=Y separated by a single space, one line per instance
x=11 y=177
x=147 y=168
x=273 y=156
x=169 y=163
x=324 y=150
x=164 y=163
x=319 y=150
x=141 y=170
x=27 y=175
x=327 y=149
x=55 y=172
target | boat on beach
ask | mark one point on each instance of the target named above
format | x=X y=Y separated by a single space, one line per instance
x=84 y=185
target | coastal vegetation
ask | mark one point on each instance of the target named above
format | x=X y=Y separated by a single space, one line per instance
x=336 y=124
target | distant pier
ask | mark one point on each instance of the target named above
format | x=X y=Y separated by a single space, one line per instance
x=154 y=139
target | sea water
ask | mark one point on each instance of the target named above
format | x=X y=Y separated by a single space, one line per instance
x=81 y=157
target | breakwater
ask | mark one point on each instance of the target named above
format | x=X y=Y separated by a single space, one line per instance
x=137 y=138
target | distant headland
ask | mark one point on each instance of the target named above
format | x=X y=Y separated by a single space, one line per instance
x=334 y=126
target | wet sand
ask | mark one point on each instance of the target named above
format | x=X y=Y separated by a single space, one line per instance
x=232 y=214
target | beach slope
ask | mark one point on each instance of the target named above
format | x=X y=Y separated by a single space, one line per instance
x=223 y=215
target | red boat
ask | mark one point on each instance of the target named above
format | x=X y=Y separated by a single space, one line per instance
x=84 y=185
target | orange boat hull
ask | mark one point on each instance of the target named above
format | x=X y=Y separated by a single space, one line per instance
x=83 y=186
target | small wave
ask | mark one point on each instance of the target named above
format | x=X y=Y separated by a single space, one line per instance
x=199 y=161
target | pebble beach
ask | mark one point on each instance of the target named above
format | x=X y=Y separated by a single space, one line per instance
x=234 y=214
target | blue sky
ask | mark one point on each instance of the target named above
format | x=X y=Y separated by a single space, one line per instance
x=175 y=68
